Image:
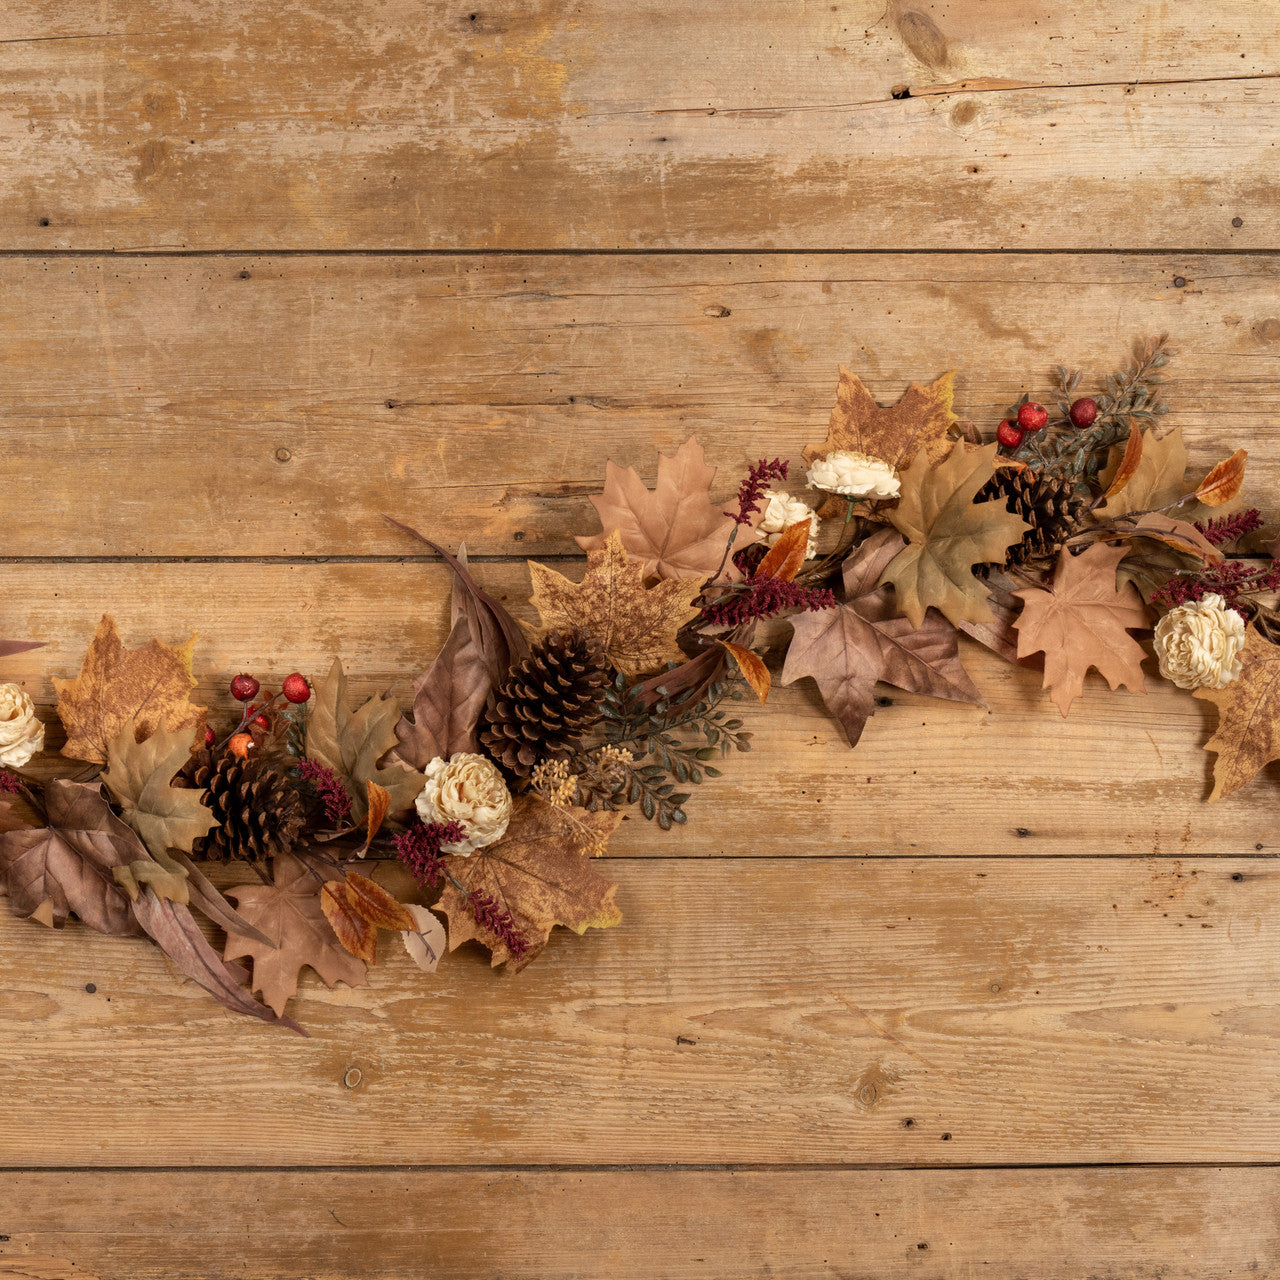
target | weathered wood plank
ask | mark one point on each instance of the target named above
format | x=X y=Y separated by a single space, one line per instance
x=928 y=777
x=1037 y=1011
x=698 y=125
x=279 y=405
x=1055 y=1224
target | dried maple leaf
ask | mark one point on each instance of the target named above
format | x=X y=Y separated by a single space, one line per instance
x=1157 y=479
x=447 y=701
x=289 y=911
x=921 y=419
x=352 y=743
x=139 y=775
x=948 y=535
x=540 y=872
x=675 y=530
x=636 y=626
x=1082 y=622
x=145 y=689
x=1248 y=733
x=847 y=649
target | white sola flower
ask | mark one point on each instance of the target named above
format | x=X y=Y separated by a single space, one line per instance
x=855 y=475
x=468 y=789
x=1199 y=644
x=21 y=734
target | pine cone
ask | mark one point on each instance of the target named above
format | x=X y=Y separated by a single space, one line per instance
x=259 y=813
x=546 y=703
x=1048 y=504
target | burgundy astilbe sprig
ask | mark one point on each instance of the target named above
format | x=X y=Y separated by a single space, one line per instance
x=1230 y=579
x=1224 y=529
x=419 y=848
x=763 y=598
x=499 y=921
x=751 y=490
x=10 y=783
x=329 y=788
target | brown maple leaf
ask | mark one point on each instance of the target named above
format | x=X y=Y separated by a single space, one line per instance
x=1082 y=622
x=847 y=649
x=145 y=688
x=352 y=743
x=540 y=872
x=636 y=626
x=289 y=911
x=921 y=419
x=675 y=530
x=1248 y=733
x=948 y=534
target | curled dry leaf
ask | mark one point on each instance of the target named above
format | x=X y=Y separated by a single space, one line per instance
x=635 y=625
x=752 y=667
x=1224 y=481
x=1129 y=463
x=378 y=801
x=142 y=689
x=675 y=530
x=919 y=421
x=787 y=556
x=1157 y=480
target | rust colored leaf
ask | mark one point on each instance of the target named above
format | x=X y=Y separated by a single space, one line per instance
x=541 y=873
x=143 y=689
x=752 y=667
x=948 y=534
x=289 y=912
x=1129 y=463
x=674 y=530
x=373 y=903
x=1248 y=733
x=636 y=625
x=357 y=935
x=379 y=801
x=846 y=650
x=1157 y=480
x=786 y=557
x=1224 y=481
x=1083 y=622
x=920 y=420
x=1181 y=535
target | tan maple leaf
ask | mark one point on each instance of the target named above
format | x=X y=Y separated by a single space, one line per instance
x=948 y=534
x=352 y=743
x=145 y=688
x=675 y=530
x=921 y=419
x=846 y=650
x=1248 y=733
x=139 y=775
x=1157 y=478
x=289 y=912
x=1082 y=622
x=636 y=626
x=541 y=873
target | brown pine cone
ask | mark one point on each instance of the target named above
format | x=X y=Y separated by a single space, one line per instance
x=259 y=814
x=546 y=703
x=1049 y=504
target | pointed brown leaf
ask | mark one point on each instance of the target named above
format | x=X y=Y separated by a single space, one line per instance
x=787 y=556
x=378 y=801
x=1129 y=463
x=356 y=934
x=289 y=911
x=373 y=903
x=752 y=667
x=1083 y=622
x=1224 y=481
x=143 y=689
x=447 y=701
x=920 y=420
x=1157 y=480
x=675 y=530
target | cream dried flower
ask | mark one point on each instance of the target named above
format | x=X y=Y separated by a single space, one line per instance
x=21 y=734
x=466 y=788
x=855 y=475
x=781 y=511
x=1199 y=644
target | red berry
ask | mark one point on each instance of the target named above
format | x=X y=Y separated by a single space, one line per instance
x=244 y=687
x=1084 y=411
x=1008 y=435
x=296 y=688
x=1032 y=416
x=208 y=736
x=262 y=722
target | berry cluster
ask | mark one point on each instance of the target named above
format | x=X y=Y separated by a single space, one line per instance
x=1032 y=417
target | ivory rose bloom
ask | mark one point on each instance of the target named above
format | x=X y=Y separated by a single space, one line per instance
x=21 y=734
x=1199 y=644
x=468 y=789
x=782 y=511
x=855 y=475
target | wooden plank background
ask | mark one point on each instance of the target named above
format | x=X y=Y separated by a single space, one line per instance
x=996 y=994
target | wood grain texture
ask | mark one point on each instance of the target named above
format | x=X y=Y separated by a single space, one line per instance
x=928 y=777
x=1038 y=1011
x=278 y=406
x=1054 y=1224
x=695 y=125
